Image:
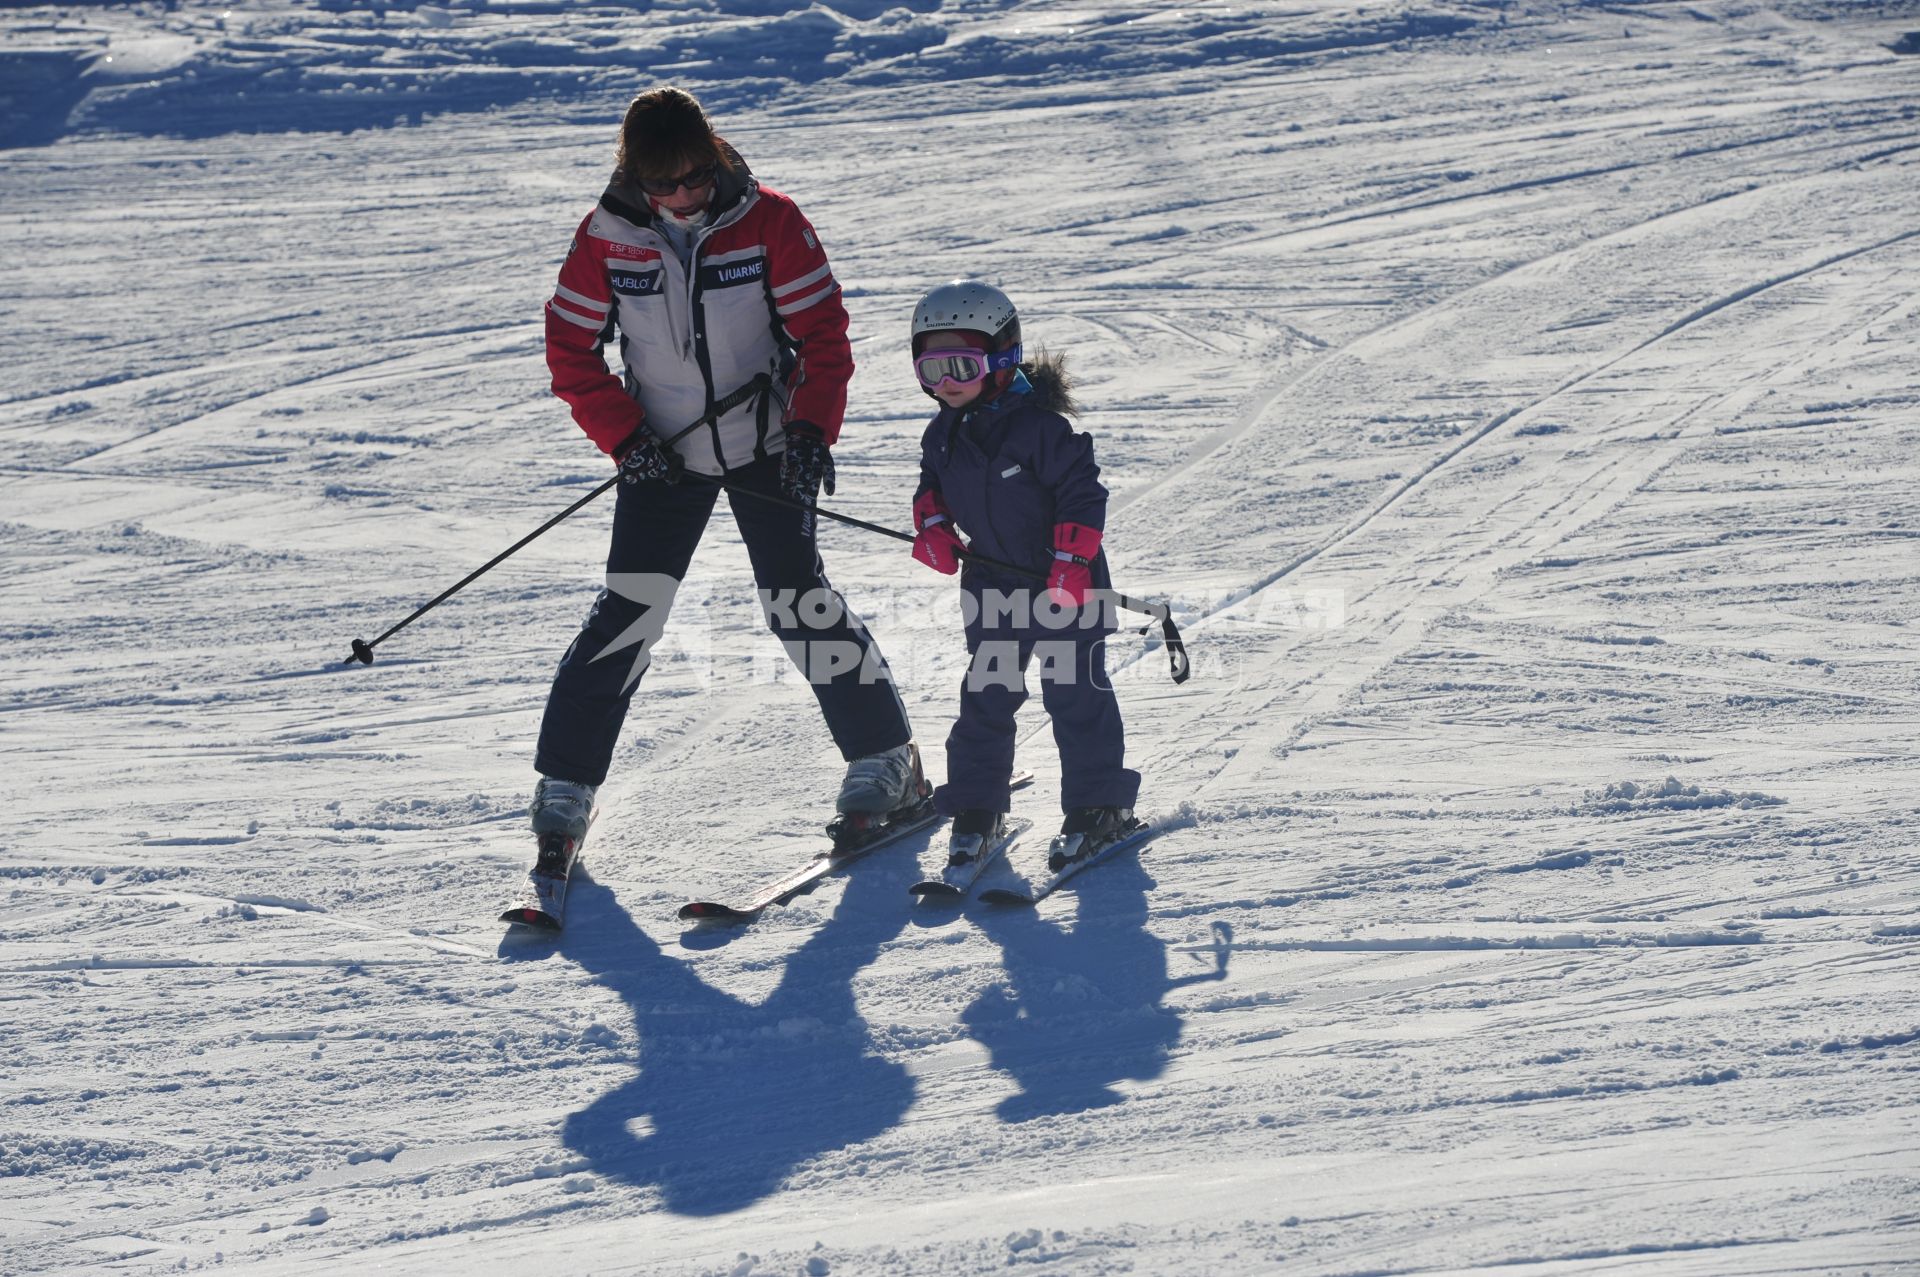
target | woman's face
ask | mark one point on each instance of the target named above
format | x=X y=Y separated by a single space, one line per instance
x=690 y=191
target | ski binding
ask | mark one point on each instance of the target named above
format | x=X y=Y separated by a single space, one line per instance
x=1067 y=855
x=543 y=907
x=965 y=864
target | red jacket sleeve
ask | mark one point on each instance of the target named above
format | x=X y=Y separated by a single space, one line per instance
x=579 y=322
x=806 y=300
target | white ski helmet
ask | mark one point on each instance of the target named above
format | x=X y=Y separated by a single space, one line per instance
x=971 y=306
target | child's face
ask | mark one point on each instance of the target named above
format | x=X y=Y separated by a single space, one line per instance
x=953 y=393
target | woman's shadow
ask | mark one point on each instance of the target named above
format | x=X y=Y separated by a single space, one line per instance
x=732 y=1095
x=1083 y=1005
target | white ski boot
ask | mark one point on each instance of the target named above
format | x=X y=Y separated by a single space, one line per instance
x=561 y=807
x=561 y=811
x=880 y=783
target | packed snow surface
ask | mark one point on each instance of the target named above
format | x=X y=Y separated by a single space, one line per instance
x=1515 y=399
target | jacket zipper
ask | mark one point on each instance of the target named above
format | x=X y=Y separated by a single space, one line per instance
x=961 y=438
x=693 y=279
x=668 y=255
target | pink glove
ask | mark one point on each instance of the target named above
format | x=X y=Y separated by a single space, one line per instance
x=936 y=544
x=1071 y=579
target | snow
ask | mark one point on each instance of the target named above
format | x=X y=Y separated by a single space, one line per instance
x=1514 y=400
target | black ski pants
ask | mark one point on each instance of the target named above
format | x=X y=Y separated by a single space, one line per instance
x=656 y=528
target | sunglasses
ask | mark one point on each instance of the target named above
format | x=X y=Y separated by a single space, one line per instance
x=962 y=364
x=693 y=179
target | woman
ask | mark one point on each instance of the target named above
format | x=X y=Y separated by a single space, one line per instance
x=735 y=362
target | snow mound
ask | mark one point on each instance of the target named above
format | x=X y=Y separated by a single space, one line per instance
x=201 y=69
x=1671 y=794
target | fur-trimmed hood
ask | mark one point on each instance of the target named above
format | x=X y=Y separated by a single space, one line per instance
x=1052 y=384
x=1049 y=383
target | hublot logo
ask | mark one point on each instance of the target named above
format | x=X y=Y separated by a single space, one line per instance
x=634 y=283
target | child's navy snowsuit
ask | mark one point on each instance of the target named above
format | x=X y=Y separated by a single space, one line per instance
x=1009 y=471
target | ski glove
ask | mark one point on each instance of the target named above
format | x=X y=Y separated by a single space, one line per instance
x=1071 y=579
x=807 y=464
x=936 y=544
x=643 y=460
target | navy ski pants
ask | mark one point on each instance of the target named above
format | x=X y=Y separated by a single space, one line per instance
x=1004 y=638
x=656 y=528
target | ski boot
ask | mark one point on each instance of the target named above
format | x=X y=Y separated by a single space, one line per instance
x=881 y=791
x=879 y=782
x=561 y=811
x=973 y=832
x=978 y=840
x=1087 y=831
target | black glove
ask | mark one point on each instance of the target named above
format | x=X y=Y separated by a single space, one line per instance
x=645 y=461
x=807 y=464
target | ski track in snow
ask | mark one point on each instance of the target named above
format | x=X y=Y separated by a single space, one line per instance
x=1513 y=401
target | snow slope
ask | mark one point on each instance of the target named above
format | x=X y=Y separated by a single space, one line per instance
x=1515 y=400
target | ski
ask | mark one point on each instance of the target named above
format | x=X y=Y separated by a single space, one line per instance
x=852 y=840
x=959 y=877
x=543 y=907
x=854 y=836
x=1067 y=856
x=965 y=866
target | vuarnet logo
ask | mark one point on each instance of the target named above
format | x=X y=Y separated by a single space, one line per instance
x=729 y=274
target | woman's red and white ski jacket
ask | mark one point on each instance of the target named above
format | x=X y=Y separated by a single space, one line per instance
x=760 y=299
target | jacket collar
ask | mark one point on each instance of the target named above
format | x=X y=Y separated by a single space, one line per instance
x=1001 y=402
x=976 y=419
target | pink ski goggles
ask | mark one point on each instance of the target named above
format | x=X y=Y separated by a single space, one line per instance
x=961 y=364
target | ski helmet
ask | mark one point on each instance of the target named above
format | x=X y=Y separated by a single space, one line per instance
x=967 y=305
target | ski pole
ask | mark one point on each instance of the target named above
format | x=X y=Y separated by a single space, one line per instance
x=363 y=650
x=1161 y=612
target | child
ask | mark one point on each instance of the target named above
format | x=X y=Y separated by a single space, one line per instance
x=1000 y=463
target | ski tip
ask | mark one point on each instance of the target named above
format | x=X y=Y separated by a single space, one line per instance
x=536 y=919
x=1004 y=896
x=934 y=890
x=710 y=911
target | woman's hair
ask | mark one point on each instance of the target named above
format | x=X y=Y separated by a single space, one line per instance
x=664 y=135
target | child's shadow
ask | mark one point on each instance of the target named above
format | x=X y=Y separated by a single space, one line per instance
x=1082 y=1005
x=732 y=1095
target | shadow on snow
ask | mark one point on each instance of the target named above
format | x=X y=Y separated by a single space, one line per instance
x=1082 y=1006
x=733 y=1095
